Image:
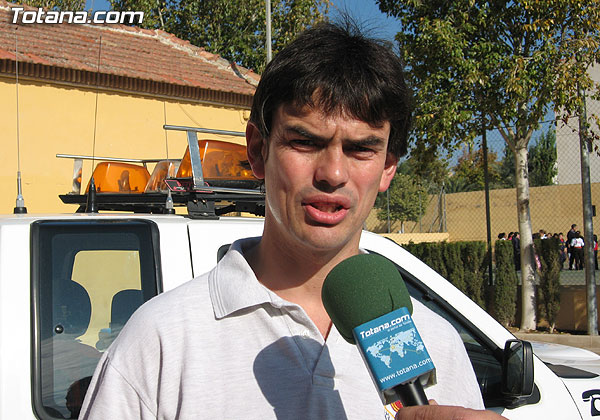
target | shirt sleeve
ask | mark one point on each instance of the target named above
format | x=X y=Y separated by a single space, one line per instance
x=111 y=396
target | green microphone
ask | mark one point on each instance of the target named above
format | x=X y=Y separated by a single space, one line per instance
x=362 y=288
x=369 y=304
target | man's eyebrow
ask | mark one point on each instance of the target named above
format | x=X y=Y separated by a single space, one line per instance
x=368 y=141
x=305 y=133
x=365 y=142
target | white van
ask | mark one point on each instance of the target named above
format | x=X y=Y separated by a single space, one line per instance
x=68 y=283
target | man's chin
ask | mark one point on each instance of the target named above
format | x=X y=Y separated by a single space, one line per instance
x=328 y=238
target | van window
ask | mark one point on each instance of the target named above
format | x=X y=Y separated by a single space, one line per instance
x=484 y=355
x=88 y=278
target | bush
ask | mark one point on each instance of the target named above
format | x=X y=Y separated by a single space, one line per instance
x=549 y=289
x=431 y=254
x=505 y=291
x=455 y=266
x=475 y=259
x=461 y=263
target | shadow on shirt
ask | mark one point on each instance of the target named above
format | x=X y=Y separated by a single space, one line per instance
x=296 y=376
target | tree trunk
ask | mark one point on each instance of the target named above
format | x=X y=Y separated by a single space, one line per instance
x=527 y=253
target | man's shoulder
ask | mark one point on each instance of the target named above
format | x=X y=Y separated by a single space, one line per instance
x=430 y=324
x=171 y=305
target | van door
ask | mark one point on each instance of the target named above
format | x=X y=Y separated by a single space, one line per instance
x=88 y=277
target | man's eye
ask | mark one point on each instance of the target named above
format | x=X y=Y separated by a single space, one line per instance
x=303 y=144
x=360 y=150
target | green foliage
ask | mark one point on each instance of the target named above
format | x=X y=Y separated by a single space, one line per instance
x=457 y=185
x=474 y=257
x=499 y=64
x=74 y=5
x=541 y=164
x=549 y=289
x=505 y=291
x=408 y=199
x=461 y=263
x=430 y=172
x=469 y=171
x=509 y=64
x=454 y=265
x=430 y=253
x=507 y=168
x=542 y=160
x=234 y=29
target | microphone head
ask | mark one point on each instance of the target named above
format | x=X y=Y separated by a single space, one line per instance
x=360 y=289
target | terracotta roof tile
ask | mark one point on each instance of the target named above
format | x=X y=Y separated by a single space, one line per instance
x=130 y=52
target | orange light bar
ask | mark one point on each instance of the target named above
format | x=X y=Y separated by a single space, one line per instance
x=163 y=169
x=220 y=160
x=118 y=177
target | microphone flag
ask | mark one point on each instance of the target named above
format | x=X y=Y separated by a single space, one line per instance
x=394 y=351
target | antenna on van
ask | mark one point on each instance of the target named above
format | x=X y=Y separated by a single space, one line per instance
x=20 y=204
x=169 y=208
x=92 y=203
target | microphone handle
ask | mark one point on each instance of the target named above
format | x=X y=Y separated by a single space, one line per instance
x=411 y=393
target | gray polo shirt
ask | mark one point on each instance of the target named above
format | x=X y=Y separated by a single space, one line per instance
x=222 y=346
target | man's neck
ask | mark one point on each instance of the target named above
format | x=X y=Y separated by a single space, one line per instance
x=297 y=275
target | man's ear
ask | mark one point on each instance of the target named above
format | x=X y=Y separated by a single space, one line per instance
x=255 y=145
x=389 y=170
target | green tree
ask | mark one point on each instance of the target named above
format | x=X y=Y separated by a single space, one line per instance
x=505 y=290
x=502 y=65
x=542 y=160
x=507 y=168
x=57 y=4
x=549 y=288
x=430 y=174
x=408 y=200
x=541 y=165
x=454 y=265
x=234 y=29
x=475 y=257
x=470 y=168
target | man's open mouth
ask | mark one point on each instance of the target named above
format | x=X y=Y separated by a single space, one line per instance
x=327 y=208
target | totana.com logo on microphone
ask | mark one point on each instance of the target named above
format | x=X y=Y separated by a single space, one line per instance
x=20 y=15
x=384 y=326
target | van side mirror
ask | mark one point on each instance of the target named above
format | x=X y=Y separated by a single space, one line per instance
x=517 y=371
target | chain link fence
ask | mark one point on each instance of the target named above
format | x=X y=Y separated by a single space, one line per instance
x=555 y=195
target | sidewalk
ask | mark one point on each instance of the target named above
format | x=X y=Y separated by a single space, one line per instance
x=576 y=277
x=587 y=342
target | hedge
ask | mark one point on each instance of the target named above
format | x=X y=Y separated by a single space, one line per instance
x=461 y=263
x=505 y=290
x=549 y=288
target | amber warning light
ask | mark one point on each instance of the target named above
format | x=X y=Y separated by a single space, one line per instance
x=222 y=164
x=210 y=172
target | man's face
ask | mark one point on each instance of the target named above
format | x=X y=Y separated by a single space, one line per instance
x=322 y=174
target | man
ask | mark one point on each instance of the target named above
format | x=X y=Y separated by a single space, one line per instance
x=516 y=241
x=251 y=338
x=571 y=234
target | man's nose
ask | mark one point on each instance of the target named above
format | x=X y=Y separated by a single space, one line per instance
x=332 y=168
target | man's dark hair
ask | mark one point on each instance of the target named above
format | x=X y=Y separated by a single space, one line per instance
x=337 y=70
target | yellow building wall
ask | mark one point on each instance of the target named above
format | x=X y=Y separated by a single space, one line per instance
x=60 y=119
x=553 y=208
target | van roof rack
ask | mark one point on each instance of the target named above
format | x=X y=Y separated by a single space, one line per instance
x=227 y=187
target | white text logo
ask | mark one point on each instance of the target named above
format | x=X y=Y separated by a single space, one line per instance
x=65 y=16
x=385 y=326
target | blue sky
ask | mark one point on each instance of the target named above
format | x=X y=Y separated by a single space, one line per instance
x=367 y=12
